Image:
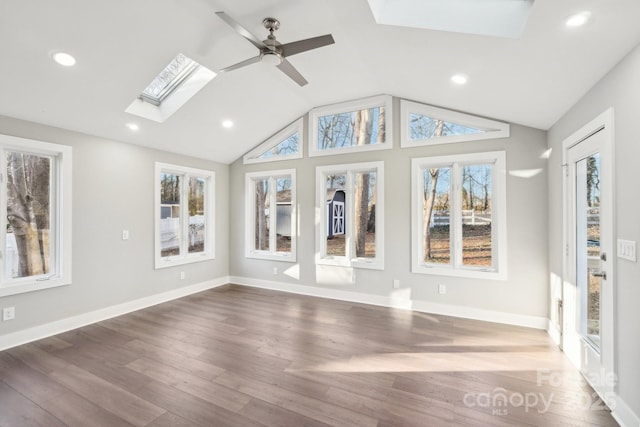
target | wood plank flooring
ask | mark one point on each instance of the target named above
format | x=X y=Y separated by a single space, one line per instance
x=238 y=356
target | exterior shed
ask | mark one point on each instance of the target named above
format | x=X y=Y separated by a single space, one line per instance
x=335 y=213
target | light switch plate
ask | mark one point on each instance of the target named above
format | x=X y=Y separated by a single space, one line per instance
x=627 y=250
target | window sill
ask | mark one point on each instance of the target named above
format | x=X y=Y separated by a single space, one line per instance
x=355 y=263
x=278 y=256
x=459 y=272
x=171 y=262
x=22 y=287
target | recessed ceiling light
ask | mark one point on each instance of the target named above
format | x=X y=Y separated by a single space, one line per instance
x=227 y=124
x=133 y=127
x=459 y=79
x=578 y=20
x=64 y=59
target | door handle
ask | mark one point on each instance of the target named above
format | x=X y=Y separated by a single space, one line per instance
x=602 y=274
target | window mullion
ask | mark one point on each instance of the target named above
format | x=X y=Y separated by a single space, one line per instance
x=349 y=212
x=456 y=215
x=184 y=215
x=273 y=213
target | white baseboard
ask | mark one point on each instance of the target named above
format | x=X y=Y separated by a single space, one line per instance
x=63 y=325
x=624 y=415
x=398 y=302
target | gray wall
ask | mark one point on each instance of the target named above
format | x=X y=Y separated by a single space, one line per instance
x=112 y=191
x=620 y=89
x=525 y=292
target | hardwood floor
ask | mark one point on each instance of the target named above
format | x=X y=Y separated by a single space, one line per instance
x=238 y=356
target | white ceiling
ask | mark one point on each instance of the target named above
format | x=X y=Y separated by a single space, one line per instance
x=120 y=45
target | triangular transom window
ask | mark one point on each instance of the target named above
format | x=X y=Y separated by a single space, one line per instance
x=426 y=125
x=283 y=145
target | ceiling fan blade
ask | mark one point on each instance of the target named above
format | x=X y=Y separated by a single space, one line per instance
x=286 y=67
x=241 y=30
x=300 y=46
x=240 y=64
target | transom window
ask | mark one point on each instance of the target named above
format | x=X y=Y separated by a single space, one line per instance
x=36 y=224
x=459 y=215
x=426 y=125
x=184 y=215
x=271 y=215
x=284 y=145
x=351 y=126
x=350 y=205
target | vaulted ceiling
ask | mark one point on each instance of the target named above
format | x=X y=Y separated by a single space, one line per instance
x=120 y=45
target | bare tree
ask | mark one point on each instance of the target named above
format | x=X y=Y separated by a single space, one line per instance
x=363 y=128
x=261 y=227
x=429 y=200
x=28 y=182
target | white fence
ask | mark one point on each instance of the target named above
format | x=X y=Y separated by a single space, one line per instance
x=469 y=217
x=170 y=232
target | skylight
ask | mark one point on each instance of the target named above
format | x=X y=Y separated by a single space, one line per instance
x=178 y=70
x=499 y=18
x=171 y=89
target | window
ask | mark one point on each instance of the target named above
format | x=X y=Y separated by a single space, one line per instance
x=271 y=215
x=350 y=208
x=181 y=79
x=459 y=215
x=184 y=215
x=351 y=126
x=178 y=70
x=36 y=204
x=282 y=146
x=426 y=125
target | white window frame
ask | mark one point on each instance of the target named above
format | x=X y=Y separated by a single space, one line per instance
x=250 y=208
x=385 y=101
x=61 y=203
x=209 y=245
x=493 y=129
x=498 y=219
x=253 y=156
x=349 y=260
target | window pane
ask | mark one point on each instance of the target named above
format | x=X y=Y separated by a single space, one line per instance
x=476 y=215
x=287 y=147
x=262 y=215
x=364 y=201
x=362 y=127
x=436 y=215
x=28 y=248
x=424 y=127
x=197 y=223
x=283 y=215
x=592 y=190
x=336 y=221
x=170 y=235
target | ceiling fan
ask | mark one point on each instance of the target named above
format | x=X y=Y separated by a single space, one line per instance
x=272 y=51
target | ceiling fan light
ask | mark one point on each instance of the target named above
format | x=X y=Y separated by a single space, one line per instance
x=271 y=58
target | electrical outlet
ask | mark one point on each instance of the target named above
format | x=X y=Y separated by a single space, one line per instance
x=396 y=284
x=182 y=275
x=275 y=270
x=8 y=313
x=442 y=289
